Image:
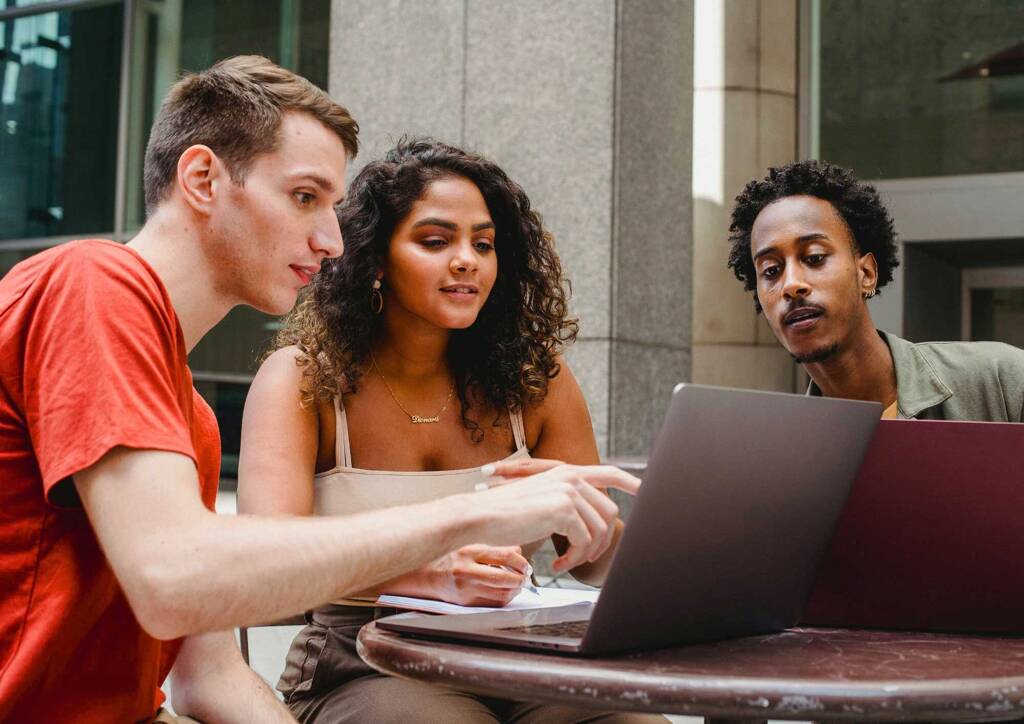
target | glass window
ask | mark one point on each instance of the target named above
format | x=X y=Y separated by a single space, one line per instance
x=188 y=35
x=58 y=122
x=911 y=88
x=59 y=99
x=998 y=314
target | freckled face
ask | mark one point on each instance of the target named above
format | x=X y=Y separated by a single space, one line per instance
x=441 y=263
x=810 y=277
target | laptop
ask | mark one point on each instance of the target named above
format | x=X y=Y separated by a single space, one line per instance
x=932 y=538
x=741 y=494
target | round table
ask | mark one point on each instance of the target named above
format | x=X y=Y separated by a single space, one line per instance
x=804 y=674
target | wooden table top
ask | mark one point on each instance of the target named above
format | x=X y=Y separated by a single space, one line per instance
x=803 y=674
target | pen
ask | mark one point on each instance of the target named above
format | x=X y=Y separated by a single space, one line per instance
x=527 y=584
x=528 y=581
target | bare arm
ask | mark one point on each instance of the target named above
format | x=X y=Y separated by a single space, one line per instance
x=186 y=570
x=280 y=437
x=211 y=682
x=567 y=434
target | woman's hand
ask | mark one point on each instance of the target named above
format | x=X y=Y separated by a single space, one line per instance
x=476 y=575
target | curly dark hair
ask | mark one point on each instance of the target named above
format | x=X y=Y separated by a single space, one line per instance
x=506 y=357
x=858 y=204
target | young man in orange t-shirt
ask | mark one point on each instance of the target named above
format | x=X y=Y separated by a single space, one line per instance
x=113 y=569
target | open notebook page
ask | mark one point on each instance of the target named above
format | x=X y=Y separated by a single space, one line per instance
x=544 y=598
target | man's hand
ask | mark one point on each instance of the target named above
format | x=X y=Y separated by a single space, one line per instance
x=563 y=499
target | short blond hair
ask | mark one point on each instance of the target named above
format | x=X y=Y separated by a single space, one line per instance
x=235 y=107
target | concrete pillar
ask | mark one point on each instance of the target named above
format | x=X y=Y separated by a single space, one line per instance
x=587 y=104
x=744 y=121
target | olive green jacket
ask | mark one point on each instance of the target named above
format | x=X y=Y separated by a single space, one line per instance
x=957 y=380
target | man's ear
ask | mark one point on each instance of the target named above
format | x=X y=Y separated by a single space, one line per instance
x=199 y=172
x=867 y=271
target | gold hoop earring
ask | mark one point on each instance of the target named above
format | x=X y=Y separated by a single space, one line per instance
x=868 y=295
x=376 y=298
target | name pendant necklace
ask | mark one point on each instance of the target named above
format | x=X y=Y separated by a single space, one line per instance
x=414 y=419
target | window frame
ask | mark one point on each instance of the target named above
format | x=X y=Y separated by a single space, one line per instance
x=926 y=208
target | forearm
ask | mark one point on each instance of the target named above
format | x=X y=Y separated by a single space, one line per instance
x=185 y=570
x=211 y=683
x=420 y=583
x=225 y=571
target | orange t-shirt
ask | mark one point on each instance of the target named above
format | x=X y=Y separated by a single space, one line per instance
x=91 y=358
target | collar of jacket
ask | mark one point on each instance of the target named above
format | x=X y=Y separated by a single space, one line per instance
x=918 y=385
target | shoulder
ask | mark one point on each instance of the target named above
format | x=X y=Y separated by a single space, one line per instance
x=283 y=368
x=984 y=375
x=96 y=259
x=277 y=391
x=92 y=293
x=564 y=397
x=974 y=357
x=562 y=387
x=80 y=273
x=77 y=267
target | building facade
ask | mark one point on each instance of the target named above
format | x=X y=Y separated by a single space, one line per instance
x=632 y=124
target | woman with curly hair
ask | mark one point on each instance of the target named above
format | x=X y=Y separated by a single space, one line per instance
x=428 y=349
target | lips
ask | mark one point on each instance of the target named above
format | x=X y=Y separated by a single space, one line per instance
x=463 y=291
x=802 y=316
x=304 y=273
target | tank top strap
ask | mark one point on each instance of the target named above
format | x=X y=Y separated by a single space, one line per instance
x=342 y=449
x=518 y=429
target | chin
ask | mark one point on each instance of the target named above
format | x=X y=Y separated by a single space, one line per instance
x=275 y=307
x=816 y=353
x=460 y=321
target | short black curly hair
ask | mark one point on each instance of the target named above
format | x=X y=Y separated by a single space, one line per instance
x=858 y=204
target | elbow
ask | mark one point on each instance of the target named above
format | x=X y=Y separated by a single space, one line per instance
x=158 y=599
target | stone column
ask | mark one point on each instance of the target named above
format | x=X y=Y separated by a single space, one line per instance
x=587 y=104
x=744 y=121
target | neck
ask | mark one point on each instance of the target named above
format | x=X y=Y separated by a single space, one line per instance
x=410 y=349
x=861 y=370
x=170 y=243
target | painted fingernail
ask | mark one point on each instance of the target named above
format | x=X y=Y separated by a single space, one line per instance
x=487 y=470
x=480 y=487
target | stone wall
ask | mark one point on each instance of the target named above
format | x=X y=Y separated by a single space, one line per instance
x=744 y=121
x=587 y=104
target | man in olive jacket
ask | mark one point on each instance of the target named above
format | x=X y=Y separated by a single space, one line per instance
x=814 y=244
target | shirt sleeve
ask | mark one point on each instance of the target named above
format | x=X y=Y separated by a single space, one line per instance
x=103 y=365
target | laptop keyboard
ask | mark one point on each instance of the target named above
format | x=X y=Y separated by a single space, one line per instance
x=572 y=629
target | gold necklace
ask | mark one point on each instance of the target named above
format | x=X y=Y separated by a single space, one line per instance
x=415 y=419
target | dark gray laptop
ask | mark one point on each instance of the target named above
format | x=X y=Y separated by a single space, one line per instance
x=742 y=492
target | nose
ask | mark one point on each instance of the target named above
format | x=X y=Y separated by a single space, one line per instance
x=794 y=286
x=326 y=238
x=463 y=260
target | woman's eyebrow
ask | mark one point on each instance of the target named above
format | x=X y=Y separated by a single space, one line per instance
x=433 y=221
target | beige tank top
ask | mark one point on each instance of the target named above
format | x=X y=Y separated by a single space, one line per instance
x=344 y=490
